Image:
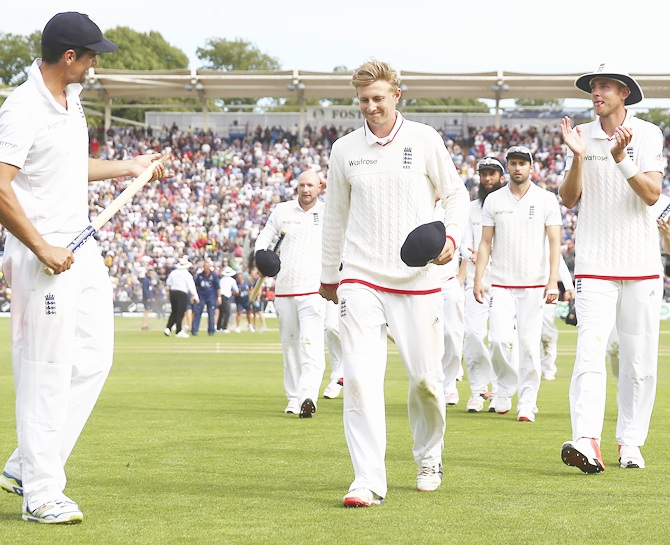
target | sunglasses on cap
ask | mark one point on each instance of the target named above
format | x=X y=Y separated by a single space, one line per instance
x=490 y=163
x=520 y=151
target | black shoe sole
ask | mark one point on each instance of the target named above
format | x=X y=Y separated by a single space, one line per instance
x=307 y=409
x=572 y=457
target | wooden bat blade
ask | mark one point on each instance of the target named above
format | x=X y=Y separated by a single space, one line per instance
x=116 y=205
x=127 y=194
x=257 y=289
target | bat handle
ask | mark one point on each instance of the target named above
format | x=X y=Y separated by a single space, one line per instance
x=75 y=245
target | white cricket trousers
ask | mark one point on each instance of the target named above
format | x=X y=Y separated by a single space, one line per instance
x=416 y=322
x=549 y=338
x=301 y=330
x=516 y=317
x=634 y=307
x=62 y=345
x=333 y=340
x=476 y=354
x=452 y=305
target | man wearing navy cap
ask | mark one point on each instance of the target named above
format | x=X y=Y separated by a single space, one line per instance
x=614 y=170
x=62 y=325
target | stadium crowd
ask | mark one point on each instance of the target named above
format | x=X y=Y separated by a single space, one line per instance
x=219 y=192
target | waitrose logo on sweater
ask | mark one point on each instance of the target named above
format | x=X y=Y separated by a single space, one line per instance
x=360 y=162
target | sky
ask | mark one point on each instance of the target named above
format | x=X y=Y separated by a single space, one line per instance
x=439 y=36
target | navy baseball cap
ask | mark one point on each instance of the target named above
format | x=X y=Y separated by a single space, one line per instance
x=490 y=163
x=423 y=244
x=72 y=29
x=520 y=151
x=268 y=263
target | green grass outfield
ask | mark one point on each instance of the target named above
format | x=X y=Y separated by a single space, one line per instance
x=189 y=444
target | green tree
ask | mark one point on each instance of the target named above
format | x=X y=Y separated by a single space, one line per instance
x=141 y=51
x=539 y=103
x=442 y=104
x=657 y=116
x=237 y=54
x=16 y=55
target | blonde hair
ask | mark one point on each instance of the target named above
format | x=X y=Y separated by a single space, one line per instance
x=374 y=70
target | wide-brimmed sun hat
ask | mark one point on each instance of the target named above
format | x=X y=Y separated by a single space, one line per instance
x=610 y=71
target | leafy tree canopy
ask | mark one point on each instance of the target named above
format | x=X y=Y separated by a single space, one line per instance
x=237 y=54
x=539 y=102
x=141 y=51
x=16 y=55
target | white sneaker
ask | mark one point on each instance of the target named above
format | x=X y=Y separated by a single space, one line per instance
x=362 y=497
x=549 y=376
x=476 y=403
x=492 y=404
x=251 y=328
x=429 y=478
x=61 y=510
x=332 y=390
x=237 y=330
x=226 y=331
x=452 y=399
x=583 y=454
x=524 y=415
x=182 y=335
x=292 y=408
x=503 y=405
x=630 y=457
x=167 y=332
x=10 y=484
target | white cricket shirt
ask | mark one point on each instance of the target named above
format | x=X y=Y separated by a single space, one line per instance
x=519 y=254
x=300 y=251
x=49 y=144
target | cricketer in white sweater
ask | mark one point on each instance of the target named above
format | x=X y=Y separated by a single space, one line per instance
x=380 y=189
x=372 y=187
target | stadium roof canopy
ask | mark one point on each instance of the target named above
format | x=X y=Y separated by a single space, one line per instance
x=209 y=84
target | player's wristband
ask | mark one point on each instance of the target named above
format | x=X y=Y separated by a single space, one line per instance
x=628 y=168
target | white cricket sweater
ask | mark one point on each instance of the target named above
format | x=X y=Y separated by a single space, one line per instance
x=300 y=251
x=377 y=195
x=519 y=255
x=616 y=236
